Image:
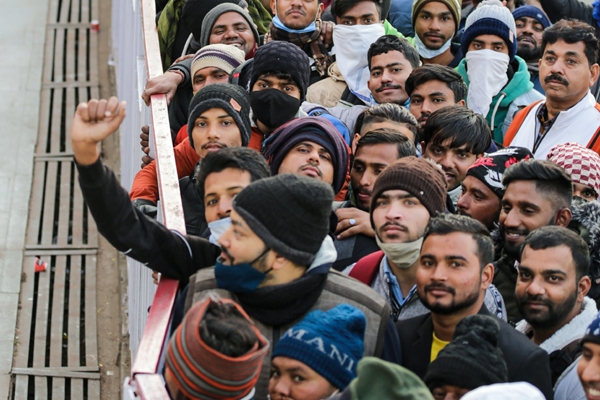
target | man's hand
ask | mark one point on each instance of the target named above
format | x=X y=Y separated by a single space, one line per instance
x=180 y=59
x=352 y=221
x=163 y=84
x=155 y=277
x=327 y=33
x=93 y=122
x=145 y=143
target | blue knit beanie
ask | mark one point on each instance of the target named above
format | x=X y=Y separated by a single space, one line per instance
x=592 y=333
x=491 y=18
x=329 y=342
x=532 y=12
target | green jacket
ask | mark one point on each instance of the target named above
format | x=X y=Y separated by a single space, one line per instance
x=518 y=86
x=390 y=30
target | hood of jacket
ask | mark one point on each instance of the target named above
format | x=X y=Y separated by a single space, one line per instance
x=586 y=223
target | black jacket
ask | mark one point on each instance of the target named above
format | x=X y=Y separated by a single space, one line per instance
x=525 y=361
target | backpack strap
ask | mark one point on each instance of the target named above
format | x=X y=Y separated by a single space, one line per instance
x=561 y=359
x=517 y=122
x=366 y=268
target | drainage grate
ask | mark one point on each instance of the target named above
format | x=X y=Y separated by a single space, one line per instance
x=56 y=349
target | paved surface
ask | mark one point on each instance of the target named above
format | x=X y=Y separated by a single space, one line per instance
x=22 y=28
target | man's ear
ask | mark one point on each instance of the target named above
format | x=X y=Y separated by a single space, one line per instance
x=487 y=275
x=477 y=156
x=595 y=69
x=583 y=287
x=355 y=142
x=461 y=103
x=423 y=147
x=563 y=217
x=274 y=7
x=320 y=11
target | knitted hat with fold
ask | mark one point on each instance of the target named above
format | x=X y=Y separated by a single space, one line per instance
x=279 y=56
x=532 y=12
x=581 y=163
x=289 y=213
x=490 y=168
x=310 y=129
x=231 y=98
x=453 y=5
x=211 y=17
x=222 y=56
x=329 y=342
x=202 y=372
x=491 y=17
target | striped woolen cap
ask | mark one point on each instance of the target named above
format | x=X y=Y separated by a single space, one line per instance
x=580 y=162
x=222 y=56
x=202 y=372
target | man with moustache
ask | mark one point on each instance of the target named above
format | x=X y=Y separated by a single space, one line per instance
x=531 y=22
x=568 y=68
x=538 y=193
x=454 y=270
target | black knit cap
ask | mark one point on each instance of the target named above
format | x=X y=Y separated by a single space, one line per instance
x=279 y=56
x=222 y=95
x=472 y=359
x=290 y=213
x=417 y=176
x=194 y=12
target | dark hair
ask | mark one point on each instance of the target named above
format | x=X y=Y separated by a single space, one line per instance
x=388 y=43
x=224 y=329
x=550 y=179
x=554 y=236
x=340 y=7
x=284 y=76
x=459 y=124
x=387 y=112
x=386 y=135
x=241 y=158
x=573 y=31
x=445 y=224
x=436 y=72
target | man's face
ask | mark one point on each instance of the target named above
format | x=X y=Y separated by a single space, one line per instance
x=220 y=188
x=239 y=244
x=449 y=276
x=207 y=76
x=454 y=161
x=288 y=86
x=399 y=217
x=292 y=379
x=231 y=28
x=588 y=370
x=448 y=392
x=363 y=13
x=565 y=73
x=489 y=42
x=214 y=129
x=429 y=97
x=308 y=159
x=388 y=72
x=524 y=209
x=547 y=287
x=529 y=38
x=296 y=14
x=478 y=201
x=434 y=25
x=585 y=192
x=368 y=163
x=397 y=126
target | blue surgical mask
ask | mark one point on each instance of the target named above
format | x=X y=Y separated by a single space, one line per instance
x=279 y=25
x=217 y=228
x=240 y=278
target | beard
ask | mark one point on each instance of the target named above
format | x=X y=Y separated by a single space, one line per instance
x=529 y=54
x=454 y=306
x=553 y=315
x=514 y=250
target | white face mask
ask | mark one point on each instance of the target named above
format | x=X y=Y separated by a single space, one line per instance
x=217 y=228
x=486 y=70
x=426 y=52
x=402 y=255
x=352 y=43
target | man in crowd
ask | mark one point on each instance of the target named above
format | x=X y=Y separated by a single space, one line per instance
x=375 y=151
x=454 y=137
x=531 y=22
x=386 y=115
x=454 y=272
x=482 y=189
x=275 y=257
x=582 y=164
x=498 y=80
x=436 y=23
x=538 y=193
x=588 y=368
x=567 y=70
x=432 y=87
x=551 y=294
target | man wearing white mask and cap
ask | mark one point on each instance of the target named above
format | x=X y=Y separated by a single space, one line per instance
x=498 y=81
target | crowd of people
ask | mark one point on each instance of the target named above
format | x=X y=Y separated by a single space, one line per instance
x=383 y=199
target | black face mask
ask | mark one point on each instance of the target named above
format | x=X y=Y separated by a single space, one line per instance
x=273 y=107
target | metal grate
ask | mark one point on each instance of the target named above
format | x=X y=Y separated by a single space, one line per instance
x=56 y=353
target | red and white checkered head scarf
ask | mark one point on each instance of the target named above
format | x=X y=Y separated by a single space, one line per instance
x=582 y=163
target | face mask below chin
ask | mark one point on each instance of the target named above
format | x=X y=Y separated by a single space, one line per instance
x=402 y=255
x=273 y=107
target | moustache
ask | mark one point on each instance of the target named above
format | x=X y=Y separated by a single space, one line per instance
x=529 y=39
x=294 y=9
x=535 y=298
x=314 y=166
x=556 y=77
x=439 y=286
x=221 y=145
x=387 y=86
x=391 y=223
x=229 y=257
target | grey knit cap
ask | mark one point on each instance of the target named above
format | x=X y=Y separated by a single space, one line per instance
x=215 y=13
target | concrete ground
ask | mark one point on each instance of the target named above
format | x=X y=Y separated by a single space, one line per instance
x=22 y=28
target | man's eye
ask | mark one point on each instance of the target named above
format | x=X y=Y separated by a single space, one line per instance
x=298 y=378
x=438 y=100
x=415 y=101
x=201 y=124
x=211 y=202
x=326 y=157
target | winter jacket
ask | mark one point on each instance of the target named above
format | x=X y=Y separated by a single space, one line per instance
x=327 y=92
x=582 y=122
x=274 y=309
x=193 y=205
x=400 y=17
x=517 y=93
x=179 y=105
x=525 y=361
x=505 y=280
x=561 y=339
